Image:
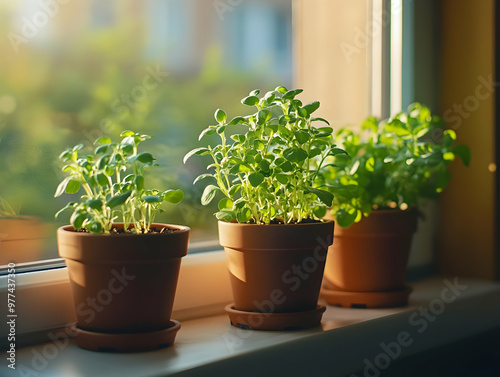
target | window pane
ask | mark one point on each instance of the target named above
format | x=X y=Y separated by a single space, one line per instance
x=72 y=72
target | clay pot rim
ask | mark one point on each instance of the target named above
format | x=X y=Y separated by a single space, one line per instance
x=181 y=229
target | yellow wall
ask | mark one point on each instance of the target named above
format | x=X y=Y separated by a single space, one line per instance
x=466 y=234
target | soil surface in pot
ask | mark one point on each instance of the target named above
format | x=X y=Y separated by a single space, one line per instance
x=152 y=230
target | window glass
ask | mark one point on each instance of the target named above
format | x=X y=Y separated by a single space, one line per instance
x=72 y=71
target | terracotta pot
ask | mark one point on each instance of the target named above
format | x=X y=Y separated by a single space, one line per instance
x=276 y=268
x=21 y=239
x=123 y=283
x=372 y=255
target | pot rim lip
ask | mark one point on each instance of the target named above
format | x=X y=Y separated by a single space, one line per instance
x=325 y=223
x=69 y=229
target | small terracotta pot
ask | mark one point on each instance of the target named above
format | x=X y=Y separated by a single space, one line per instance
x=276 y=268
x=21 y=239
x=123 y=283
x=372 y=255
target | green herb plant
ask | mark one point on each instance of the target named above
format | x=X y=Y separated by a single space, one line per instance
x=392 y=163
x=112 y=180
x=271 y=173
x=7 y=211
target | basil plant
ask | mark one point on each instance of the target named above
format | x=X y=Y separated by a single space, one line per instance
x=392 y=163
x=113 y=185
x=271 y=172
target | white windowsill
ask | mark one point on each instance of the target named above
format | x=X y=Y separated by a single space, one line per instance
x=210 y=346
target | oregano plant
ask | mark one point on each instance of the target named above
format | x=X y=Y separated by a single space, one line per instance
x=271 y=173
x=113 y=185
x=392 y=163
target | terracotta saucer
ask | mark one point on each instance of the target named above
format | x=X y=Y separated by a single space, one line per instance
x=275 y=321
x=127 y=342
x=382 y=299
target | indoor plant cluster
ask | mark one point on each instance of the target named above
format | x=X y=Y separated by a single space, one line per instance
x=272 y=175
x=391 y=164
x=276 y=172
x=129 y=267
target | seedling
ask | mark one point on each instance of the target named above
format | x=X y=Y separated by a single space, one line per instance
x=112 y=180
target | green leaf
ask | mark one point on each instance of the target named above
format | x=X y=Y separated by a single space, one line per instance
x=239 y=168
x=151 y=199
x=255 y=179
x=281 y=89
x=243 y=215
x=295 y=154
x=250 y=101
x=449 y=156
x=77 y=219
x=449 y=137
x=202 y=176
x=118 y=199
x=237 y=120
x=68 y=206
x=336 y=151
x=94 y=204
x=127 y=133
x=264 y=165
x=208 y=194
x=61 y=188
x=263 y=116
x=139 y=182
x=101 y=149
x=301 y=136
x=220 y=115
x=321 y=120
x=145 y=158
x=225 y=203
x=397 y=127
x=286 y=166
x=325 y=196
x=207 y=131
x=95 y=227
x=102 y=180
x=72 y=187
x=103 y=161
x=371 y=124
x=66 y=155
x=102 y=140
x=311 y=107
x=370 y=164
x=345 y=218
x=225 y=215
x=173 y=196
x=463 y=152
x=320 y=211
x=198 y=151
x=282 y=178
x=234 y=189
x=302 y=113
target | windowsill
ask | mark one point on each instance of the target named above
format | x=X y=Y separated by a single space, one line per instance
x=210 y=346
